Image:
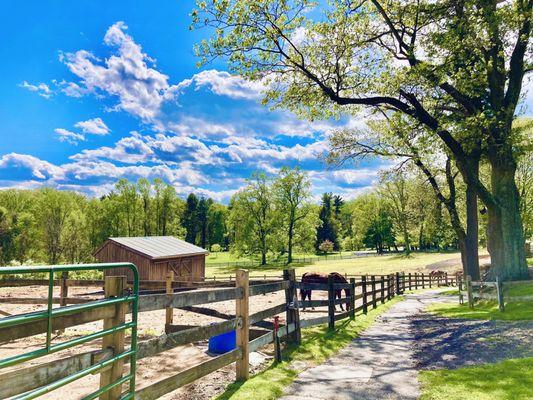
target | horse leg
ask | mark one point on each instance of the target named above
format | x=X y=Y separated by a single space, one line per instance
x=309 y=294
x=302 y=296
x=339 y=296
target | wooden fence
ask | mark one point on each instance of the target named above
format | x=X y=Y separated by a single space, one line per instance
x=374 y=290
x=496 y=291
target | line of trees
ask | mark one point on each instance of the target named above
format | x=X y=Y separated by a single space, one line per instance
x=271 y=218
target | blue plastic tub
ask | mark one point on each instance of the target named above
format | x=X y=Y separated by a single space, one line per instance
x=223 y=343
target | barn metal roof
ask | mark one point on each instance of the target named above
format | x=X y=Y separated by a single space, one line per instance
x=157 y=247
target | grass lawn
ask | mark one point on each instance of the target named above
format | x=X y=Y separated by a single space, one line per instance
x=508 y=380
x=514 y=310
x=318 y=344
x=377 y=265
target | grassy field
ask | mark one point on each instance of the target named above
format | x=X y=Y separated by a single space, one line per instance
x=377 y=265
x=318 y=344
x=488 y=310
x=508 y=380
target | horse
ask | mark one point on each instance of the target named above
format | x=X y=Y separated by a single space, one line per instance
x=436 y=275
x=315 y=277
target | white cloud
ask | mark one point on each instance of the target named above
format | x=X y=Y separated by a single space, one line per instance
x=129 y=150
x=40 y=169
x=95 y=126
x=68 y=136
x=42 y=89
x=188 y=126
x=129 y=75
x=225 y=84
x=355 y=176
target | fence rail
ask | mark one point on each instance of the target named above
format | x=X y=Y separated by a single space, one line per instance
x=486 y=290
x=374 y=290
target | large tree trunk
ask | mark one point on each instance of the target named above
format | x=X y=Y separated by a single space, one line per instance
x=471 y=259
x=505 y=231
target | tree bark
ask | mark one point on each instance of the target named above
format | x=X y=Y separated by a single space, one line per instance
x=505 y=231
x=471 y=259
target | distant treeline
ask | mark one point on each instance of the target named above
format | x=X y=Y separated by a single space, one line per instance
x=270 y=218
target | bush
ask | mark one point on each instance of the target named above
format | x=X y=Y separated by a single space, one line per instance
x=326 y=246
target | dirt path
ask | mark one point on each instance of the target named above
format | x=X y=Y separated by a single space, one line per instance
x=380 y=364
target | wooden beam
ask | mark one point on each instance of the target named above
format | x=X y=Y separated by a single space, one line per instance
x=268 y=288
x=29 y=378
x=208 y=311
x=243 y=334
x=41 y=300
x=169 y=312
x=151 y=347
x=61 y=322
x=269 y=312
x=184 y=377
x=114 y=287
x=179 y=300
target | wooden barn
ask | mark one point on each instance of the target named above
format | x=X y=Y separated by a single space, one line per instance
x=155 y=257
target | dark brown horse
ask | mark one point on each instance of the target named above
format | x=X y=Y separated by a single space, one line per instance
x=315 y=277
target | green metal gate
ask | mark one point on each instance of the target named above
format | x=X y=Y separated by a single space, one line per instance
x=50 y=313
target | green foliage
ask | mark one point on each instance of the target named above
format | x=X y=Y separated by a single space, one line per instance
x=272 y=216
x=52 y=226
x=296 y=217
x=443 y=76
x=252 y=218
x=329 y=228
x=506 y=380
x=190 y=218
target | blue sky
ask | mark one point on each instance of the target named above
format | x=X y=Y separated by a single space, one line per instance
x=93 y=91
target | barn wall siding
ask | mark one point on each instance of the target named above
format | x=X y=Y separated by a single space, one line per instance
x=185 y=268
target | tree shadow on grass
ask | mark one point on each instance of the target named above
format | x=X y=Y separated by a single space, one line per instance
x=510 y=379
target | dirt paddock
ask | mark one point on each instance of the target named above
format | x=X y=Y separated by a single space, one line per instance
x=150 y=324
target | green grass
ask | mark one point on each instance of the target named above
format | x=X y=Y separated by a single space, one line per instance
x=508 y=380
x=488 y=310
x=318 y=344
x=378 y=265
x=525 y=289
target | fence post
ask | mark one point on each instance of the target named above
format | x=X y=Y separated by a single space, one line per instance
x=63 y=289
x=460 y=282
x=114 y=287
x=499 y=291
x=398 y=290
x=469 y=291
x=446 y=278
x=416 y=280
x=331 y=303
x=373 y=281
x=169 y=312
x=363 y=290
x=382 y=289
x=409 y=281
x=291 y=301
x=423 y=281
x=243 y=332
x=430 y=280
x=352 y=298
